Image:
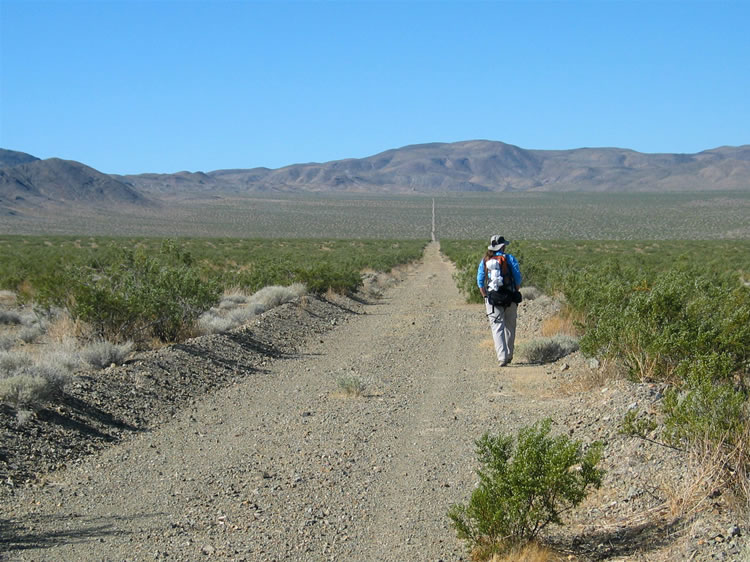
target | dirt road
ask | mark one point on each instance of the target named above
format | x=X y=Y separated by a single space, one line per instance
x=285 y=466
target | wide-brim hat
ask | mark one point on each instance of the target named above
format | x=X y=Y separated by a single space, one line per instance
x=497 y=242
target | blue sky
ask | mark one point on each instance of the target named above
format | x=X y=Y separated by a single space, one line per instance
x=162 y=86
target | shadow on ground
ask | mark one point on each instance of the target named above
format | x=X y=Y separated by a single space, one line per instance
x=25 y=534
x=622 y=541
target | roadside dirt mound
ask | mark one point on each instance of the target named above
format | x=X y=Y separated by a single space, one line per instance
x=246 y=446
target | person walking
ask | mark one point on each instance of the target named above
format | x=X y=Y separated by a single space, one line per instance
x=502 y=318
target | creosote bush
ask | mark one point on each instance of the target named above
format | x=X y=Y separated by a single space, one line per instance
x=140 y=296
x=525 y=483
x=707 y=404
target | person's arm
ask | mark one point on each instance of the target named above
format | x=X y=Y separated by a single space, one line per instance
x=481 y=273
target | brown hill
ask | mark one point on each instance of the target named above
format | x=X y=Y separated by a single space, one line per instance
x=41 y=183
x=478 y=166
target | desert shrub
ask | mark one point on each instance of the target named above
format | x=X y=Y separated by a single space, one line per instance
x=102 y=354
x=530 y=293
x=11 y=361
x=654 y=327
x=525 y=483
x=24 y=390
x=9 y=317
x=705 y=406
x=30 y=334
x=7 y=342
x=637 y=424
x=351 y=385
x=233 y=298
x=546 y=350
x=62 y=356
x=141 y=296
x=213 y=322
x=321 y=278
x=465 y=275
x=270 y=297
x=31 y=385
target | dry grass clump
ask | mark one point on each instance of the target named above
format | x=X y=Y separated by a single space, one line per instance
x=62 y=329
x=530 y=293
x=712 y=469
x=547 y=350
x=692 y=492
x=25 y=389
x=64 y=356
x=232 y=298
x=7 y=342
x=273 y=296
x=532 y=552
x=351 y=385
x=564 y=322
x=212 y=322
x=11 y=361
x=10 y=317
x=237 y=309
x=30 y=334
x=30 y=385
x=244 y=314
x=26 y=381
x=102 y=354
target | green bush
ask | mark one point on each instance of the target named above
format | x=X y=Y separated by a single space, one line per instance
x=520 y=492
x=320 y=278
x=706 y=406
x=656 y=326
x=141 y=296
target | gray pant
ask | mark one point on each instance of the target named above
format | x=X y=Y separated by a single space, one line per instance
x=503 y=325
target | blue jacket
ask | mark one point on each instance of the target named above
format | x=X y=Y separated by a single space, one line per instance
x=482 y=272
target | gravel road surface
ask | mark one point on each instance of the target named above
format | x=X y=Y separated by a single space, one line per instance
x=285 y=465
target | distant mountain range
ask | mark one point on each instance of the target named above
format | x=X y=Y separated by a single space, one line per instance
x=28 y=183
x=479 y=166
